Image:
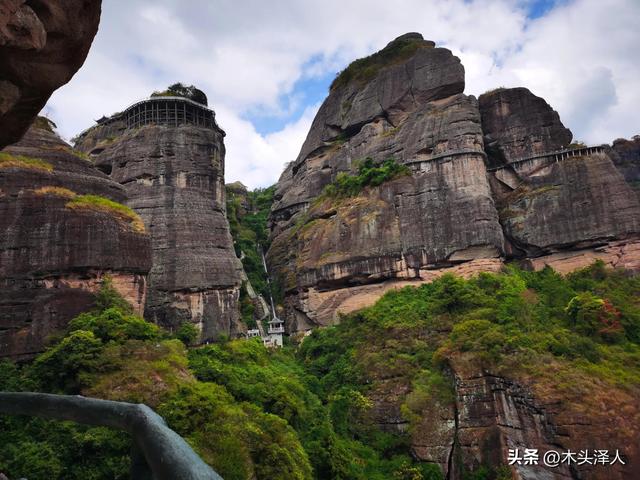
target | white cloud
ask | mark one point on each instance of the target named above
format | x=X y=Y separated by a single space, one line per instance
x=263 y=157
x=248 y=55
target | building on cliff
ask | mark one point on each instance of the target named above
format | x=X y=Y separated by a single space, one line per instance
x=484 y=186
x=168 y=154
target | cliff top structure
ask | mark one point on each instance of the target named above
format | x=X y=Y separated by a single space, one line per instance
x=170 y=111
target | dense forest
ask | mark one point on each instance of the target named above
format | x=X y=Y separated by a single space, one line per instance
x=305 y=411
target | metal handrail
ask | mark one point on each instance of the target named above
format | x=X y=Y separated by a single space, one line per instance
x=120 y=115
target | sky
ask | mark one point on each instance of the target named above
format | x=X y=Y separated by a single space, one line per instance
x=266 y=66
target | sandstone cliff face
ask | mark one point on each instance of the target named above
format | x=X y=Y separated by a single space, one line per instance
x=518 y=124
x=53 y=256
x=579 y=202
x=173 y=177
x=492 y=414
x=413 y=111
x=552 y=203
x=42 y=44
x=626 y=157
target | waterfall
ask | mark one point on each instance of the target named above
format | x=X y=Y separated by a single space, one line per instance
x=266 y=271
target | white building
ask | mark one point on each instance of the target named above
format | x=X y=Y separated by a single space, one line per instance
x=274 y=333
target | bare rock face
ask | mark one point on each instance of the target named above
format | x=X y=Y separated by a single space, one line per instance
x=440 y=214
x=174 y=178
x=518 y=124
x=42 y=45
x=550 y=202
x=53 y=255
x=626 y=157
x=492 y=414
x=580 y=202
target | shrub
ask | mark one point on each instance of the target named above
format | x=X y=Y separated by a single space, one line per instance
x=8 y=160
x=365 y=69
x=187 y=333
x=113 y=324
x=368 y=174
x=105 y=205
x=593 y=316
x=70 y=365
x=181 y=90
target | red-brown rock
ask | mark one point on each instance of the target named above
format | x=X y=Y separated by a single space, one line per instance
x=43 y=43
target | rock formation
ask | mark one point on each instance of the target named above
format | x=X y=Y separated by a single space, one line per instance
x=56 y=245
x=492 y=414
x=173 y=172
x=552 y=203
x=42 y=44
x=483 y=185
x=518 y=124
x=412 y=110
x=626 y=157
x=488 y=180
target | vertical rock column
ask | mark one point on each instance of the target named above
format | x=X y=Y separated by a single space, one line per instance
x=174 y=178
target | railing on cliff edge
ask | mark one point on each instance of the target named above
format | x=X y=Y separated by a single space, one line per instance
x=165 y=110
x=158 y=452
x=555 y=156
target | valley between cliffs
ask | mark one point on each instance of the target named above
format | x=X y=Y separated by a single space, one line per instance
x=457 y=277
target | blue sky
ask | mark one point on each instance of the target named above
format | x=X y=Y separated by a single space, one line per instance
x=311 y=90
x=267 y=66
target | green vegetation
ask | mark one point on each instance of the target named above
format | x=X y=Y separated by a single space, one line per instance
x=102 y=204
x=369 y=174
x=247 y=309
x=8 y=160
x=365 y=69
x=309 y=412
x=248 y=221
x=181 y=90
x=577 y=338
x=111 y=353
x=55 y=191
x=494 y=90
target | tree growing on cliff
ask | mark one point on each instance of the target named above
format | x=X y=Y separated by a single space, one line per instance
x=181 y=90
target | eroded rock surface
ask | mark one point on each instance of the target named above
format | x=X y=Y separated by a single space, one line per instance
x=626 y=157
x=42 y=45
x=518 y=124
x=174 y=178
x=53 y=257
x=441 y=214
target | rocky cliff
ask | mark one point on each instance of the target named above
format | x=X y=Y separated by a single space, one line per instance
x=554 y=205
x=626 y=157
x=481 y=185
x=174 y=178
x=517 y=124
x=63 y=229
x=42 y=44
x=410 y=109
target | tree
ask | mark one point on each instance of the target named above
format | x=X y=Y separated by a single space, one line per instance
x=181 y=90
